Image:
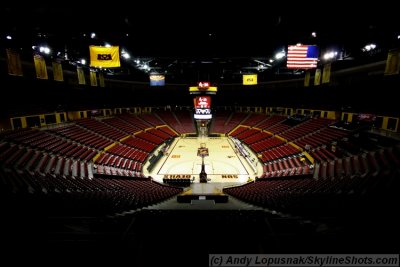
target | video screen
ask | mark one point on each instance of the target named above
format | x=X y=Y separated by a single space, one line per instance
x=201 y=102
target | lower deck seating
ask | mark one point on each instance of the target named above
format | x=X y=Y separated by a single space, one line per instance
x=72 y=195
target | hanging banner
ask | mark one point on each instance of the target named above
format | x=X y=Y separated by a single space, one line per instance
x=58 y=72
x=326 y=74
x=93 y=78
x=40 y=67
x=14 y=63
x=101 y=79
x=157 y=80
x=81 y=75
x=317 y=77
x=393 y=63
x=249 y=79
x=104 y=57
x=307 y=79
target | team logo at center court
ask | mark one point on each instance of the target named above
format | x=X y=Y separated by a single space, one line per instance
x=202 y=152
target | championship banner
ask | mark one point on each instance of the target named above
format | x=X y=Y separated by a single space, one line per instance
x=93 y=78
x=317 y=77
x=101 y=79
x=81 y=75
x=307 y=79
x=58 y=72
x=105 y=57
x=14 y=63
x=393 y=62
x=249 y=79
x=40 y=67
x=326 y=73
x=157 y=80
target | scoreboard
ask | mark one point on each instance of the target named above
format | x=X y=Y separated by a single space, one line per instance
x=203 y=88
x=202 y=106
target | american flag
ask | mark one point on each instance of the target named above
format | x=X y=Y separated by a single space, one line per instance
x=302 y=56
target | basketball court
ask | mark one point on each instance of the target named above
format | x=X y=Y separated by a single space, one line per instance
x=223 y=162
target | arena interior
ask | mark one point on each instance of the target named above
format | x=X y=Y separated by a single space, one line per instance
x=98 y=164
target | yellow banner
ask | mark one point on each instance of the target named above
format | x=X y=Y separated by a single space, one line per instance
x=249 y=79
x=81 y=75
x=40 y=67
x=101 y=79
x=326 y=74
x=105 y=57
x=393 y=62
x=14 y=63
x=58 y=72
x=317 y=77
x=307 y=79
x=93 y=78
x=197 y=89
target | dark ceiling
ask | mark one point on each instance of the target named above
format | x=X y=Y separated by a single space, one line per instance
x=202 y=42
